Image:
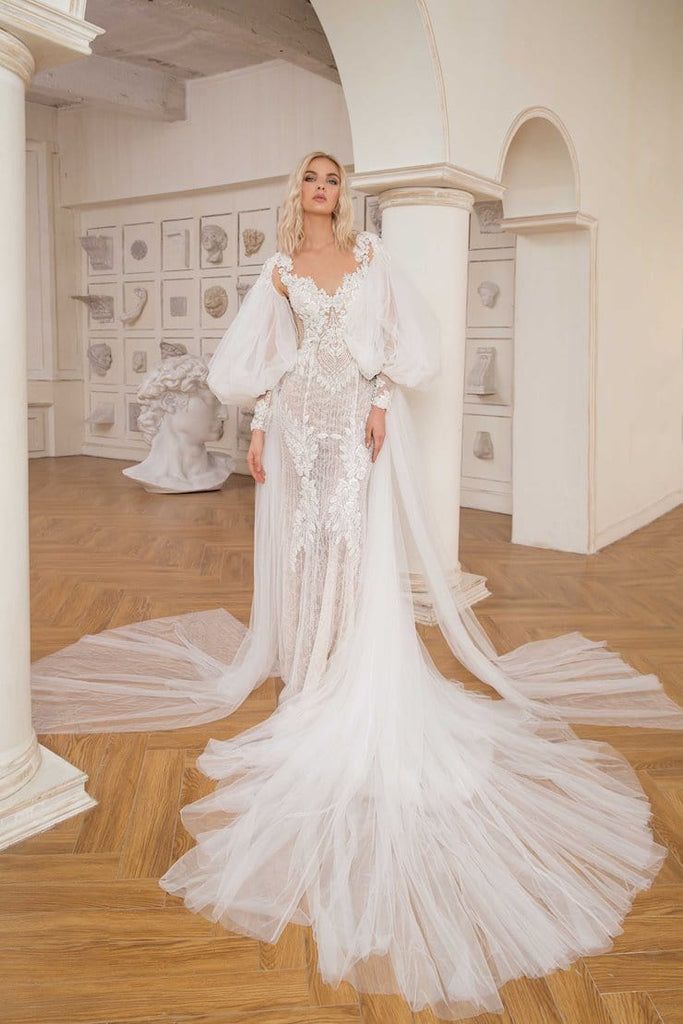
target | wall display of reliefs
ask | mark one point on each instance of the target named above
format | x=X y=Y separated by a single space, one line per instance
x=105 y=414
x=140 y=354
x=488 y=371
x=486 y=480
x=139 y=306
x=373 y=216
x=217 y=241
x=102 y=246
x=140 y=248
x=257 y=236
x=102 y=303
x=487 y=447
x=105 y=361
x=179 y=244
x=178 y=303
x=218 y=301
x=178 y=347
x=133 y=408
x=485 y=230
x=164 y=277
x=490 y=293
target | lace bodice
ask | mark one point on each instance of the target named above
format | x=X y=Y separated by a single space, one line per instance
x=321 y=317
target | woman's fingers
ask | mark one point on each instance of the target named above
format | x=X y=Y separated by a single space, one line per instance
x=378 y=438
x=255 y=466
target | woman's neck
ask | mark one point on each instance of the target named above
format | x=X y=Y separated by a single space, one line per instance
x=318 y=233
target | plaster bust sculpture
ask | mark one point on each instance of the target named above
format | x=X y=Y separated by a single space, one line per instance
x=488 y=292
x=100 y=357
x=179 y=415
x=214 y=242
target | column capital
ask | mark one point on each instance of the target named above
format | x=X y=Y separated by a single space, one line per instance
x=16 y=56
x=444 y=176
x=52 y=35
x=426 y=195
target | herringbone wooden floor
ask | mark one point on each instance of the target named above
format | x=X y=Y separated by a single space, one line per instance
x=89 y=936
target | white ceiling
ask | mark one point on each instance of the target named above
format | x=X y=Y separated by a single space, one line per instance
x=151 y=47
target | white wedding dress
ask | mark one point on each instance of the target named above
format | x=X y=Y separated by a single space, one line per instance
x=438 y=841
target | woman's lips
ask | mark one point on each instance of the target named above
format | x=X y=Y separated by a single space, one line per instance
x=319 y=199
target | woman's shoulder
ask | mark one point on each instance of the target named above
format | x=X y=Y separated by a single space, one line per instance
x=367 y=243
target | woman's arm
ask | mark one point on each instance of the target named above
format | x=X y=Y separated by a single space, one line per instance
x=381 y=394
x=262 y=412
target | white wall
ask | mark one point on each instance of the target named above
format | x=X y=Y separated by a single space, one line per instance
x=447 y=82
x=613 y=72
x=243 y=126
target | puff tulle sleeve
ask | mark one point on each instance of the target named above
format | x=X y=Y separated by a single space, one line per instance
x=258 y=347
x=391 y=331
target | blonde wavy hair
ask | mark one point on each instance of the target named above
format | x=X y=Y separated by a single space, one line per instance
x=290 y=229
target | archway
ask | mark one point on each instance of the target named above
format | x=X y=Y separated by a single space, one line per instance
x=554 y=327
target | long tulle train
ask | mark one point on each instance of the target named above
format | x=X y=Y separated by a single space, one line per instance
x=438 y=842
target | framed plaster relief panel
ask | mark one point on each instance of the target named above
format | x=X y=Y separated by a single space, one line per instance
x=218 y=301
x=139 y=305
x=140 y=248
x=217 y=241
x=485 y=229
x=490 y=294
x=178 y=243
x=104 y=357
x=140 y=355
x=488 y=372
x=208 y=347
x=244 y=283
x=105 y=412
x=358 y=205
x=487 y=447
x=178 y=303
x=257 y=236
x=373 y=216
x=104 y=306
x=177 y=346
x=132 y=409
x=102 y=246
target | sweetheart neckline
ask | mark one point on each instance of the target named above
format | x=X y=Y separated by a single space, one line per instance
x=307 y=277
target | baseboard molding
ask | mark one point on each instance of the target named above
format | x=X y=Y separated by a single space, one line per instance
x=635 y=521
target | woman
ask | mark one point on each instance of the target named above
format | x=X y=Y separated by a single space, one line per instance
x=439 y=842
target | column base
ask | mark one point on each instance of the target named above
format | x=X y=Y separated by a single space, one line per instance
x=54 y=793
x=466 y=587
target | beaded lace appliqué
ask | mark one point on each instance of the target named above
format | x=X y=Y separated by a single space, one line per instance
x=325 y=366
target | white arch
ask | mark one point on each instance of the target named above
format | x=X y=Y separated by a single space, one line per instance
x=539 y=166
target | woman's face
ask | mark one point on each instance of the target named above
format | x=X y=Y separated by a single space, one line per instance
x=320 y=186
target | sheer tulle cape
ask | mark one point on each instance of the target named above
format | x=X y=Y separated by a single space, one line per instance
x=437 y=840
x=258 y=347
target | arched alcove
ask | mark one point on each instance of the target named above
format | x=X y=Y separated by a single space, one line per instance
x=539 y=168
x=554 y=331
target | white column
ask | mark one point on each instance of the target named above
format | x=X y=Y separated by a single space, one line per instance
x=19 y=753
x=426 y=229
x=37 y=788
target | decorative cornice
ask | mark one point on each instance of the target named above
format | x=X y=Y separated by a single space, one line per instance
x=16 y=56
x=540 y=223
x=425 y=196
x=53 y=37
x=438 y=175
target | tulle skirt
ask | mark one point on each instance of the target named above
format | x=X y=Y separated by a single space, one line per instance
x=437 y=841
x=436 y=852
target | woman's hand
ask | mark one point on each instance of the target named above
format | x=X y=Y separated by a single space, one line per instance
x=375 y=430
x=254 y=455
